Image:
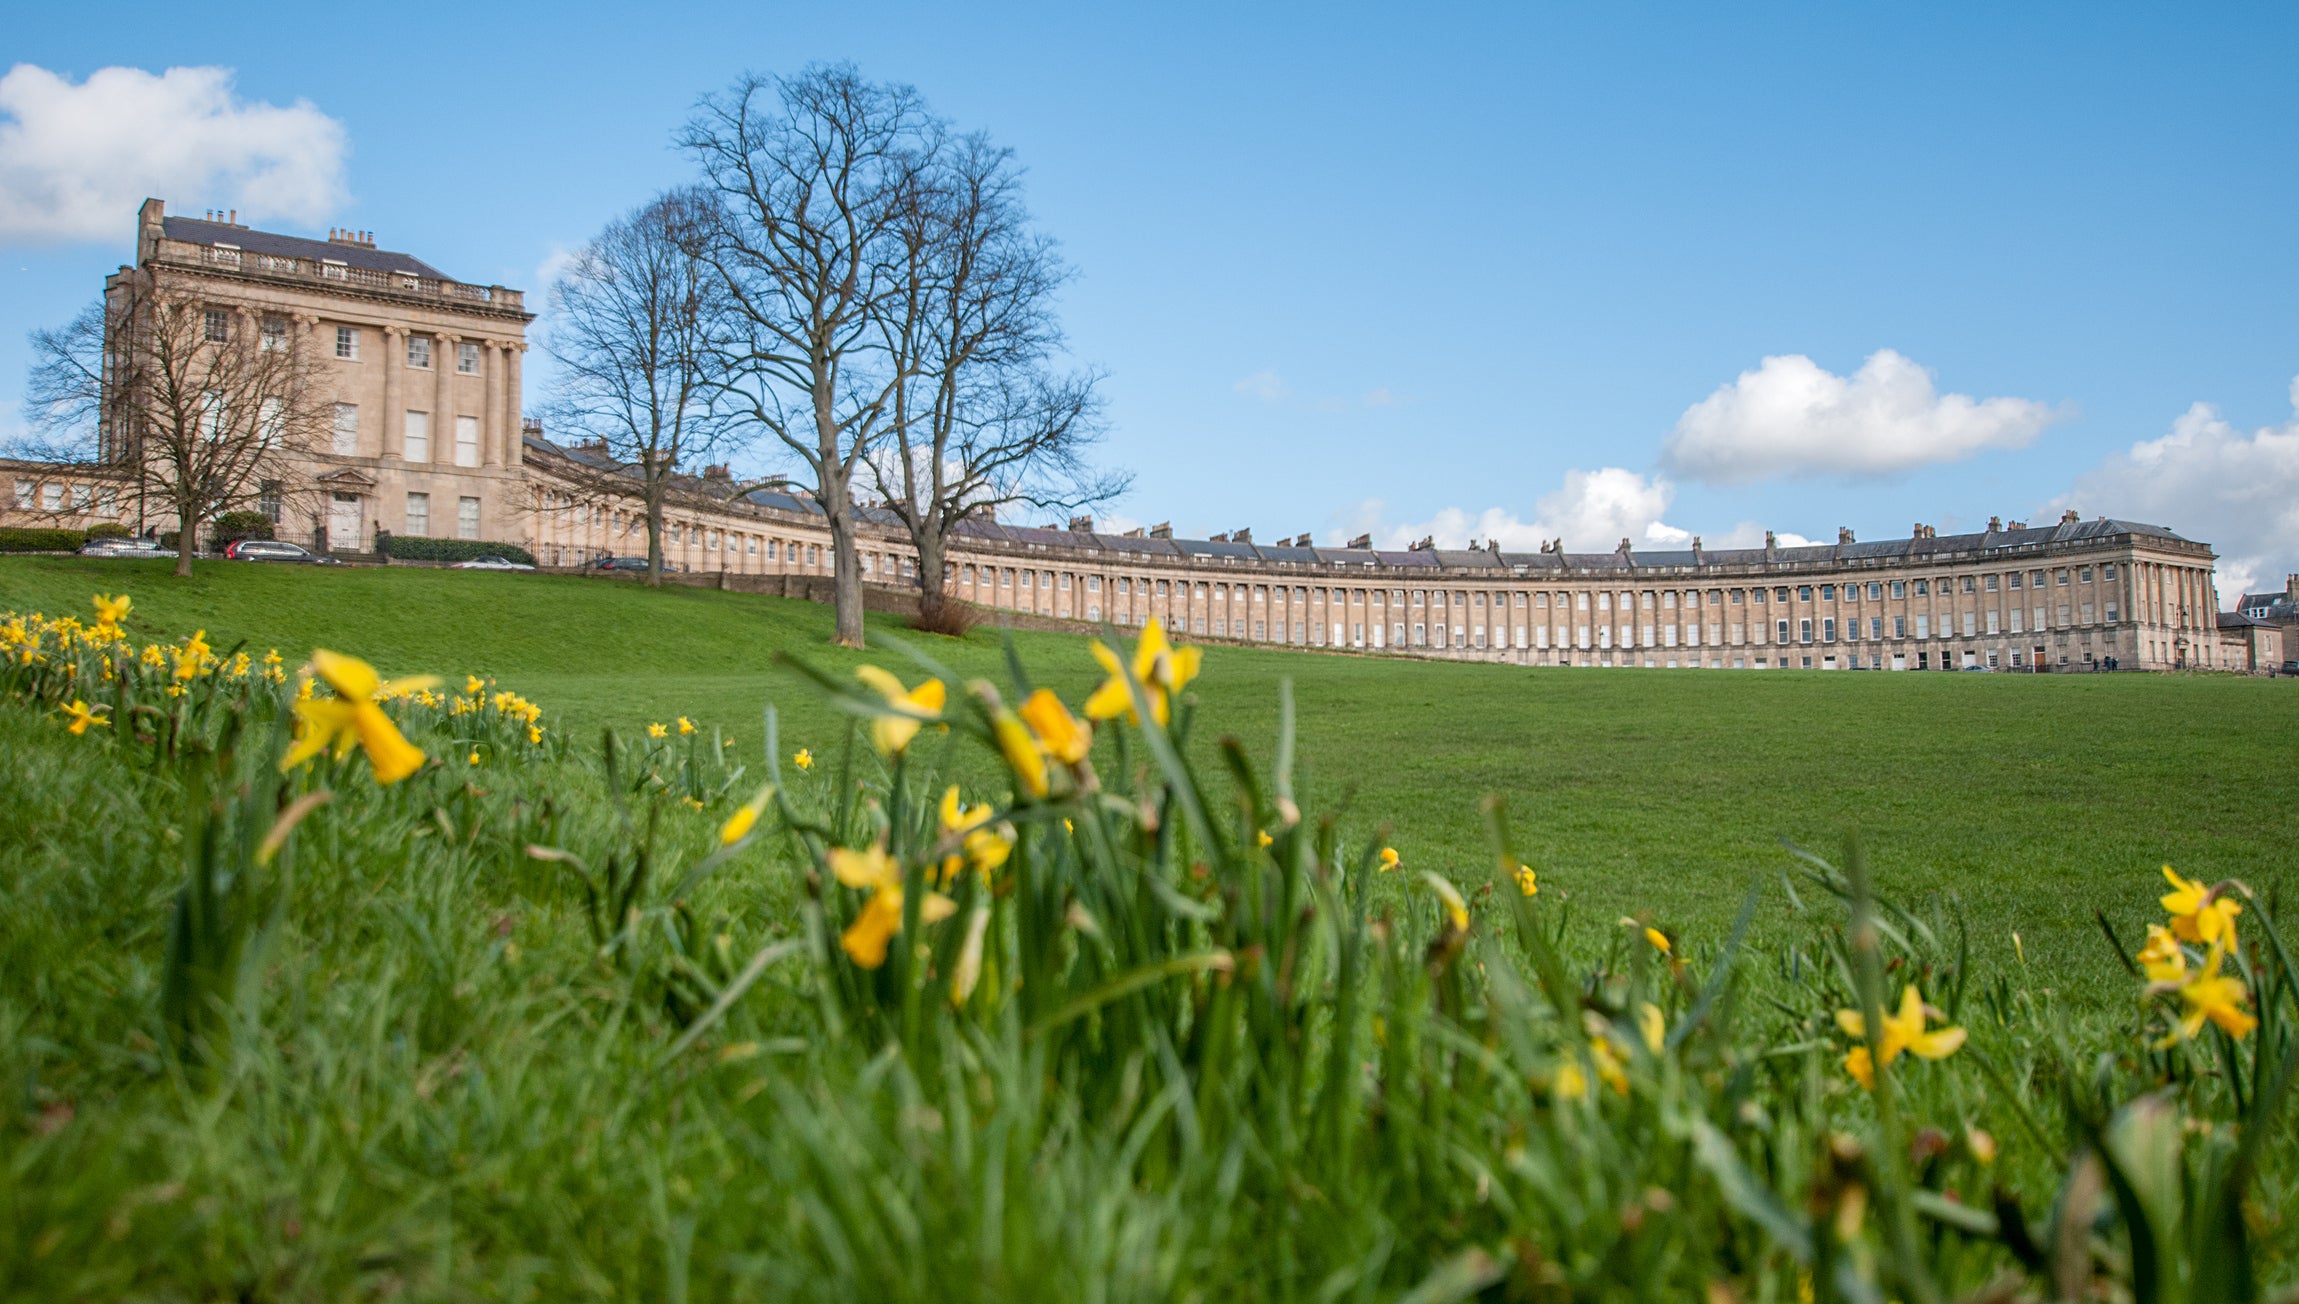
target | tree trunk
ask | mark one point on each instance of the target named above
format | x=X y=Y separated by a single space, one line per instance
x=845 y=557
x=655 y=537
x=187 y=530
x=931 y=591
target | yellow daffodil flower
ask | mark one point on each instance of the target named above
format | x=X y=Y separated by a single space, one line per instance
x=1456 y=909
x=2200 y=914
x=907 y=709
x=1527 y=882
x=1023 y=755
x=534 y=733
x=1261 y=838
x=474 y=756
x=1065 y=737
x=803 y=759
x=657 y=731
x=351 y=718
x=1658 y=940
x=1388 y=859
x=1571 y=1083
x=739 y=824
x=979 y=845
x=1903 y=1031
x=880 y=918
x=1652 y=1025
x=110 y=611
x=473 y=684
x=1163 y=670
x=81 y=716
x=686 y=726
x=2209 y=996
x=2162 y=958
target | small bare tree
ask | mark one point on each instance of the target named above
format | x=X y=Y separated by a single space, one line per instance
x=981 y=419
x=631 y=329
x=813 y=174
x=200 y=406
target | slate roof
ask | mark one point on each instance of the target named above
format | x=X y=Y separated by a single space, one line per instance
x=195 y=230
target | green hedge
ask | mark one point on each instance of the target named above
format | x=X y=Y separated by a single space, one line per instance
x=26 y=539
x=402 y=548
x=109 y=530
x=231 y=527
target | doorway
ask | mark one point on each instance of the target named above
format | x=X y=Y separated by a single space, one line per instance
x=343 y=523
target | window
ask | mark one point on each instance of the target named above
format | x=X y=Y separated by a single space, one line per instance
x=1900 y=627
x=347 y=343
x=216 y=326
x=466 y=441
x=274 y=336
x=1968 y=583
x=2107 y=571
x=466 y=518
x=267 y=499
x=1093 y=583
x=467 y=359
x=1923 y=626
x=418 y=442
x=419 y=352
x=51 y=497
x=1922 y=587
x=24 y=491
x=419 y=514
x=1875 y=591
x=1782 y=631
x=2085 y=574
x=1803 y=629
x=1828 y=593
x=2015 y=579
x=347 y=430
x=1991 y=584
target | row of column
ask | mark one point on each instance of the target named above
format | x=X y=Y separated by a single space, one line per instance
x=499 y=431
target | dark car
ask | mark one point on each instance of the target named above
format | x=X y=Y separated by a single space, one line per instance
x=276 y=550
x=2289 y=670
x=125 y=548
x=628 y=564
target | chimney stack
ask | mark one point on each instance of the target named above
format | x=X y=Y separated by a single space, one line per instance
x=1081 y=525
x=1136 y=533
x=1219 y=538
x=1844 y=535
x=1241 y=536
x=1995 y=524
x=1362 y=541
x=1162 y=530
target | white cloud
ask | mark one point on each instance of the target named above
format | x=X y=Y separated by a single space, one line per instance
x=1790 y=416
x=1380 y=397
x=75 y=160
x=1264 y=384
x=2209 y=481
x=1591 y=511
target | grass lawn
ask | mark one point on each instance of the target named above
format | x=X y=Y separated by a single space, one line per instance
x=2033 y=798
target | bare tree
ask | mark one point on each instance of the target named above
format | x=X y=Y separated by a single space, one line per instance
x=814 y=174
x=631 y=329
x=982 y=419
x=202 y=407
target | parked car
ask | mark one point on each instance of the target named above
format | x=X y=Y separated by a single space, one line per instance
x=2289 y=669
x=629 y=564
x=125 y=548
x=492 y=563
x=276 y=550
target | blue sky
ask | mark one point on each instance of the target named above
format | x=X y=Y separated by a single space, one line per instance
x=1474 y=271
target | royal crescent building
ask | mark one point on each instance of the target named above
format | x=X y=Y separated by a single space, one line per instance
x=429 y=440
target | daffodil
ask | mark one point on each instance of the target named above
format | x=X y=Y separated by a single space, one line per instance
x=979 y=845
x=2199 y=914
x=2162 y=958
x=351 y=718
x=1388 y=859
x=1456 y=909
x=1261 y=838
x=1658 y=940
x=657 y=731
x=906 y=708
x=2209 y=996
x=534 y=733
x=880 y=918
x=1065 y=737
x=1023 y=755
x=686 y=726
x=803 y=759
x=474 y=758
x=1903 y=1031
x=1652 y=1025
x=81 y=716
x=473 y=685
x=745 y=817
x=1163 y=671
x=110 y=611
x=1527 y=882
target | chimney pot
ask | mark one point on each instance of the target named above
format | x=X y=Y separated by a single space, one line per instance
x=1844 y=534
x=1362 y=541
x=1995 y=524
x=1162 y=530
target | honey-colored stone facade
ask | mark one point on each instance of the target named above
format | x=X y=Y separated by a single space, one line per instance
x=2070 y=595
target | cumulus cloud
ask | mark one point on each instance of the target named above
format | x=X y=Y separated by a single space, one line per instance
x=1264 y=384
x=1591 y=510
x=2206 y=479
x=1790 y=416
x=76 y=159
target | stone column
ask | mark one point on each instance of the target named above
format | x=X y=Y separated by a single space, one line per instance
x=394 y=400
x=443 y=405
x=491 y=431
x=514 y=426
